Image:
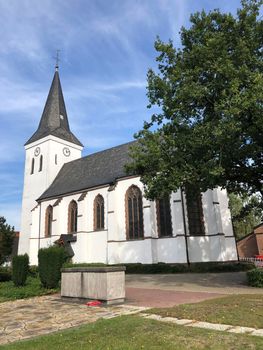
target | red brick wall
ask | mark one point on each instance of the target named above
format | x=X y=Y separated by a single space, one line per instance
x=252 y=244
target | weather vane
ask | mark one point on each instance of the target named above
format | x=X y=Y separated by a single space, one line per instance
x=57 y=60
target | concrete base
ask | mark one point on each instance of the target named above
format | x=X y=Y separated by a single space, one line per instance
x=100 y=283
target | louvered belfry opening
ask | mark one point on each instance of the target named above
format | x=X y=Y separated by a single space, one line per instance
x=194 y=212
x=163 y=213
x=134 y=213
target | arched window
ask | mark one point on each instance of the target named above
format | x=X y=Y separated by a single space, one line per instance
x=48 y=221
x=134 y=213
x=194 y=212
x=72 y=217
x=163 y=212
x=98 y=213
x=40 y=163
x=32 y=166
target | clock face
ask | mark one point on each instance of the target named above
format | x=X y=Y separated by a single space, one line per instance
x=66 y=151
x=37 y=151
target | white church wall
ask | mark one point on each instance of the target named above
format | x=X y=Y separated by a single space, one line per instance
x=130 y=252
x=209 y=213
x=177 y=213
x=225 y=212
x=90 y=247
x=211 y=248
x=171 y=250
x=111 y=246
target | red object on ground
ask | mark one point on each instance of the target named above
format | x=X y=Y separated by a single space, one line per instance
x=93 y=303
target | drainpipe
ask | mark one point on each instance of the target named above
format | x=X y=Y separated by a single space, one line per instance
x=185 y=235
x=39 y=226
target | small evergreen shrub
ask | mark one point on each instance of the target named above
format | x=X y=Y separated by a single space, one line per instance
x=33 y=271
x=50 y=261
x=20 y=268
x=5 y=274
x=255 y=277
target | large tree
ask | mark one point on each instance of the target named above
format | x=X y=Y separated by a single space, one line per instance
x=246 y=213
x=6 y=240
x=208 y=94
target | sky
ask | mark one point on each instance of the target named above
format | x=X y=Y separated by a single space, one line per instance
x=106 y=48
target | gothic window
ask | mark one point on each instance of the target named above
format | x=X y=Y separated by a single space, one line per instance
x=40 y=163
x=164 y=221
x=194 y=212
x=72 y=217
x=134 y=213
x=32 y=166
x=48 y=221
x=98 y=213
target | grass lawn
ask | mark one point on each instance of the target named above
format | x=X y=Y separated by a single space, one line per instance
x=241 y=310
x=133 y=332
x=8 y=291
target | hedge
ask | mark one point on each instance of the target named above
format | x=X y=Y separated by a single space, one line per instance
x=5 y=274
x=50 y=261
x=255 y=277
x=163 y=268
x=20 y=268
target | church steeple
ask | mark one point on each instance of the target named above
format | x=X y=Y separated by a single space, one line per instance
x=54 y=120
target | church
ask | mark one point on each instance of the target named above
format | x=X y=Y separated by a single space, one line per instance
x=102 y=208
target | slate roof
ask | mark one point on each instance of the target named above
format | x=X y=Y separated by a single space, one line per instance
x=97 y=169
x=54 y=120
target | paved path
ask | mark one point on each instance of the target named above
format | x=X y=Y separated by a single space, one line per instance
x=26 y=318
x=220 y=283
x=153 y=297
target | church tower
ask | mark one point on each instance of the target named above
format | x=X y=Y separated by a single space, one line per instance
x=52 y=145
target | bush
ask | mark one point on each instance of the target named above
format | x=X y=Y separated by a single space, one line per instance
x=20 y=267
x=33 y=271
x=5 y=274
x=255 y=277
x=50 y=261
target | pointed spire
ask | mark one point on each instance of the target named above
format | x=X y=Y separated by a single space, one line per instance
x=54 y=120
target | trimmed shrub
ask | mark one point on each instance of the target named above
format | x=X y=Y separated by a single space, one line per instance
x=255 y=277
x=50 y=261
x=20 y=267
x=5 y=274
x=33 y=271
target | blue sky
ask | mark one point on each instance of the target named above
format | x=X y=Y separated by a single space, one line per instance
x=106 y=48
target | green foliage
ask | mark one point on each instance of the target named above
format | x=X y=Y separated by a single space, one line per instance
x=255 y=277
x=6 y=240
x=69 y=264
x=208 y=128
x=8 y=291
x=246 y=213
x=50 y=261
x=20 y=268
x=5 y=274
x=33 y=271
